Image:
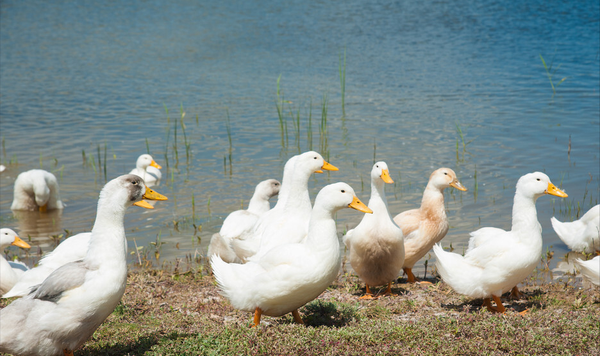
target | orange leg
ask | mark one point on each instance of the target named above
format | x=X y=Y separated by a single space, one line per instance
x=409 y=275
x=368 y=294
x=257 y=314
x=499 y=306
x=515 y=294
x=68 y=352
x=297 y=317
x=388 y=291
x=43 y=209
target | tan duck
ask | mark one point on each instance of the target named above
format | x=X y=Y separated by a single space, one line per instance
x=427 y=225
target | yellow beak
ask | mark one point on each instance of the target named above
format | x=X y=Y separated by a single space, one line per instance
x=458 y=185
x=155 y=165
x=328 y=167
x=385 y=175
x=20 y=243
x=552 y=190
x=150 y=195
x=360 y=206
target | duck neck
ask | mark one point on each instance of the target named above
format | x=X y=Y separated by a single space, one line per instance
x=322 y=232
x=524 y=214
x=377 y=201
x=298 y=197
x=108 y=242
x=258 y=204
x=432 y=204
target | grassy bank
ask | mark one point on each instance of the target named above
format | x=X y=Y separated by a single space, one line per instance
x=166 y=314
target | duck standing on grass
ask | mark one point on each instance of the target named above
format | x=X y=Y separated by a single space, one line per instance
x=36 y=189
x=497 y=260
x=376 y=245
x=10 y=272
x=291 y=275
x=60 y=314
x=240 y=222
x=426 y=226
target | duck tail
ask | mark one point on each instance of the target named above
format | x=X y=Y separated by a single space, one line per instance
x=590 y=269
x=568 y=231
x=456 y=272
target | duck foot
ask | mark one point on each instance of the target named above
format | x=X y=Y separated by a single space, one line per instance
x=68 y=352
x=524 y=312
x=388 y=290
x=410 y=277
x=368 y=294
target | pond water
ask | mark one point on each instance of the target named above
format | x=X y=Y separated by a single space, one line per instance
x=87 y=87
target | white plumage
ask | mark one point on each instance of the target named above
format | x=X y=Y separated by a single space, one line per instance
x=287 y=222
x=376 y=245
x=148 y=169
x=497 y=260
x=36 y=189
x=10 y=272
x=72 y=249
x=64 y=311
x=240 y=222
x=590 y=269
x=581 y=235
x=290 y=275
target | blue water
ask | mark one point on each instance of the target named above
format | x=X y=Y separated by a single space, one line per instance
x=86 y=77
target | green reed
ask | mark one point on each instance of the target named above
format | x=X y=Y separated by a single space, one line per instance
x=476 y=188
x=175 y=150
x=464 y=143
x=550 y=73
x=185 y=140
x=147 y=146
x=323 y=126
x=279 y=104
x=193 y=209
x=342 y=69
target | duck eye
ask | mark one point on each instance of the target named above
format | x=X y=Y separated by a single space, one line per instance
x=445 y=173
x=538 y=179
x=134 y=182
x=343 y=191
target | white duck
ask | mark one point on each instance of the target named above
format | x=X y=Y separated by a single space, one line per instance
x=581 y=235
x=70 y=250
x=590 y=269
x=289 y=276
x=148 y=169
x=241 y=222
x=63 y=312
x=376 y=245
x=36 y=189
x=427 y=225
x=497 y=260
x=287 y=222
x=10 y=272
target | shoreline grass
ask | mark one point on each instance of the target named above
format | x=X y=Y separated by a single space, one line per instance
x=169 y=313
